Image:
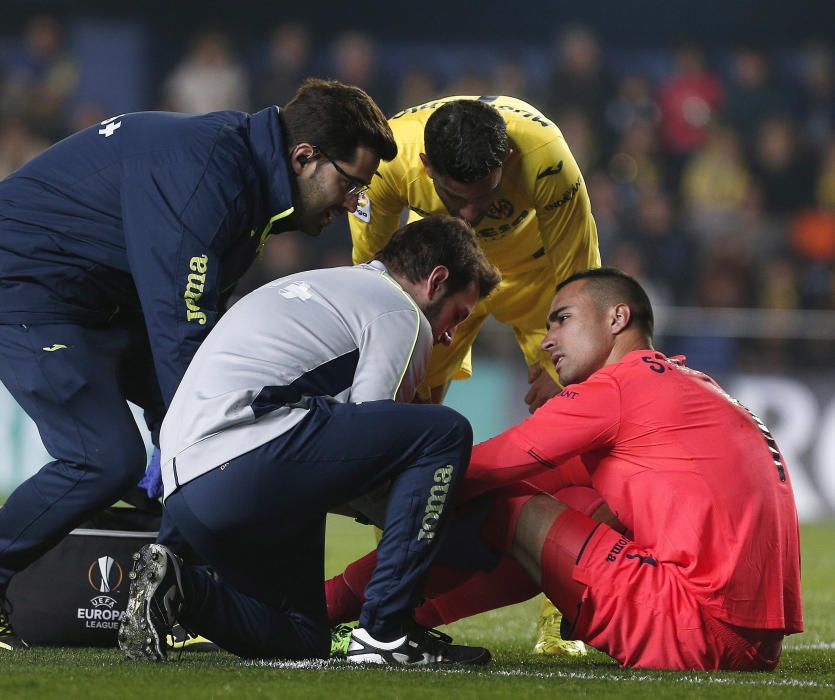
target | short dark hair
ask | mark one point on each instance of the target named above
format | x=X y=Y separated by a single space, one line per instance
x=610 y=286
x=466 y=140
x=419 y=247
x=337 y=118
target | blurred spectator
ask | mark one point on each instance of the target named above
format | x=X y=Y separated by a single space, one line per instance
x=825 y=181
x=689 y=100
x=41 y=79
x=753 y=96
x=764 y=236
x=783 y=169
x=417 y=85
x=18 y=144
x=778 y=287
x=287 y=65
x=817 y=288
x=84 y=114
x=580 y=81
x=607 y=212
x=209 y=78
x=468 y=83
x=715 y=182
x=579 y=134
x=725 y=275
x=508 y=77
x=667 y=249
x=628 y=257
x=813 y=236
x=632 y=103
x=637 y=165
x=355 y=62
x=816 y=100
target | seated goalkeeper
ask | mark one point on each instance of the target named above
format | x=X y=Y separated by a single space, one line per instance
x=683 y=553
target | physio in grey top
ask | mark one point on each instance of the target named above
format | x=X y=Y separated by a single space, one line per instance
x=351 y=334
x=297 y=403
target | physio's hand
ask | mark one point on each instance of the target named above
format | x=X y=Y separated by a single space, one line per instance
x=543 y=387
x=152 y=480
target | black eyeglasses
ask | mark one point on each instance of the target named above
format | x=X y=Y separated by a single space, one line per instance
x=357 y=188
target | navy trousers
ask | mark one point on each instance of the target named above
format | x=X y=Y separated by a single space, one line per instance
x=259 y=522
x=74 y=383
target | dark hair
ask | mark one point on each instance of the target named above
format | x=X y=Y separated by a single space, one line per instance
x=419 y=247
x=337 y=118
x=466 y=140
x=610 y=286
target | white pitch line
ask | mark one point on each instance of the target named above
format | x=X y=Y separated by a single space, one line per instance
x=692 y=680
x=627 y=677
x=810 y=645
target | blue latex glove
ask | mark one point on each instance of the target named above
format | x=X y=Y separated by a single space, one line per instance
x=152 y=480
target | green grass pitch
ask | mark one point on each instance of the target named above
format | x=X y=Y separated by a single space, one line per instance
x=807 y=668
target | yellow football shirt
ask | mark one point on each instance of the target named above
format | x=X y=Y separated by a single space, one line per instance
x=538 y=231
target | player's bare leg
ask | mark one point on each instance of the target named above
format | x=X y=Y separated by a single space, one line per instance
x=536 y=527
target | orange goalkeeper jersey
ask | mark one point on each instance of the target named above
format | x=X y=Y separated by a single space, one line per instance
x=696 y=477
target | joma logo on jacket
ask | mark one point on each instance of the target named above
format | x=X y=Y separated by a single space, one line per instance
x=194 y=288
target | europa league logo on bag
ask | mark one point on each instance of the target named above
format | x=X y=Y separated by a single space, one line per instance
x=105 y=575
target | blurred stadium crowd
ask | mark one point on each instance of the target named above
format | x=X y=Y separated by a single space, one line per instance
x=711 y=174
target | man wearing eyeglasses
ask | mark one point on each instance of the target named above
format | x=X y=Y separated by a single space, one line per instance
x=505 y=168
x=118 y=248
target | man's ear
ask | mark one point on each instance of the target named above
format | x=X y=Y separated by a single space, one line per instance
x=301 y=155
x=435 y=282
x=621 y=315
x=426 y=166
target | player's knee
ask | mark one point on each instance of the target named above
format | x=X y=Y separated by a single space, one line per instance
x=581 y=498
x=457 y=427
x=541 y=508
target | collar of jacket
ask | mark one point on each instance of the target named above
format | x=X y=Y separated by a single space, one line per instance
x=266 y=137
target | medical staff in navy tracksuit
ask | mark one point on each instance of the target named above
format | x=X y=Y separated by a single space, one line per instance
x=118 y=248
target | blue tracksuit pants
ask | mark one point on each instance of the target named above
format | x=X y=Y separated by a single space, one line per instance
x=259 y=522
x=74 y=382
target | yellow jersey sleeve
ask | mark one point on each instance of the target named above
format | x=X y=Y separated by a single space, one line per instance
x=377 y=215
x=563 y=209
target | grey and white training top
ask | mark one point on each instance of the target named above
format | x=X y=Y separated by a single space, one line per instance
x=351 y=333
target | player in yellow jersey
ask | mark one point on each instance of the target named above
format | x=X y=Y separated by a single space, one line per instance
x=505 y=168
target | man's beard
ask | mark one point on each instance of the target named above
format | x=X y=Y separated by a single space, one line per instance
x=305 y=218
x=432 y=311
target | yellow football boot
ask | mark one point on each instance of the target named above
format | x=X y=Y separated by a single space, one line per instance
x=548 y=639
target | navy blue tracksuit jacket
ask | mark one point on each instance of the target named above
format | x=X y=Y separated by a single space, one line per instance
x=153 y=213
